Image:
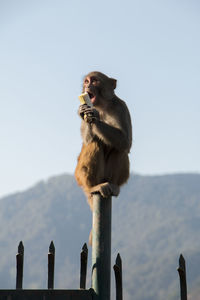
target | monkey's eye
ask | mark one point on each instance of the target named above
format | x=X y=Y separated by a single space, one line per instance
x=86 y=81
x=95 y=81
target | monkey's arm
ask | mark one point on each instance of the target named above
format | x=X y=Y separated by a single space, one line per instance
x=87 y=115
x=112 y=136
x=86 y=133
x=115 y=132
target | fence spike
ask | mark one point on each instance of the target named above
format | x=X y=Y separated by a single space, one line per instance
x=51 y=265
x=21 y=248
x=52 y=248
x=182 y=274
x=118 y=261
x=19 y=266
x=85 y=248
x=83 y=270
x=118 y=277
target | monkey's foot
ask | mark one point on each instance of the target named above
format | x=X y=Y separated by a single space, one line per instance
x=106 y=189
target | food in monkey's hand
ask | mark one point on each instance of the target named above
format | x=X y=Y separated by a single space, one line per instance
x=85 y=99
x=86 y=110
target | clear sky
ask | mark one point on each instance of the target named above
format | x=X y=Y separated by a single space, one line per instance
x=46 y=47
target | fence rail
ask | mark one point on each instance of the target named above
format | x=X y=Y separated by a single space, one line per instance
x=47 y=294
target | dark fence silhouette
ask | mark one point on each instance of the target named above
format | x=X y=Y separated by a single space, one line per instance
x=182 y=274
x=50 y=293
x=80 y=294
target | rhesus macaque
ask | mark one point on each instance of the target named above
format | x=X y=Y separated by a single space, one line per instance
x=103 y=164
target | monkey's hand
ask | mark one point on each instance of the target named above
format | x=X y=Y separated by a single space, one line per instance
x=82 y=109
x=88 y=114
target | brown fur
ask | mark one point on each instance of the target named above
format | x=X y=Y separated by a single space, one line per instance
x=103 y=164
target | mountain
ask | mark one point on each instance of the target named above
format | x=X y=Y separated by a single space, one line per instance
x=154 y=219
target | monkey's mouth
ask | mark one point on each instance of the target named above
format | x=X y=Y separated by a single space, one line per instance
x=92 y=97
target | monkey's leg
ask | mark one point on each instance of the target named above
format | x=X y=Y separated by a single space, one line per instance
x=116 y=172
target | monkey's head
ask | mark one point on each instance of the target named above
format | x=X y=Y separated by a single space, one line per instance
x=99 y=87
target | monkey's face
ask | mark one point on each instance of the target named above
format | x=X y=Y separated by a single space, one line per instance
x=92 y=86
x=99 y=87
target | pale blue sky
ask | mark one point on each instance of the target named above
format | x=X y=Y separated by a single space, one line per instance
x=46 y=47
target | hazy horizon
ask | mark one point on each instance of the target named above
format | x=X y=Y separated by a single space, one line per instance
x=25 y=188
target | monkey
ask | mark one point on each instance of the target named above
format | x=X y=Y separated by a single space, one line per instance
x=106 y=130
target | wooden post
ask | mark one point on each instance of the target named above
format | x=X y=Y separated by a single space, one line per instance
x=83 y=272
x=182 y=275
x=20 y=266
x=101 y=246
x=51 y=263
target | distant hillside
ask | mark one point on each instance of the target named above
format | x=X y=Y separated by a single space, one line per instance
x=154 y=220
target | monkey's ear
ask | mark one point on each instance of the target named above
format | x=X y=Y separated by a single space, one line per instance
x=113 y=83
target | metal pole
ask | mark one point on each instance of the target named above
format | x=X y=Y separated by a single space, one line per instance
x=101 y=246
